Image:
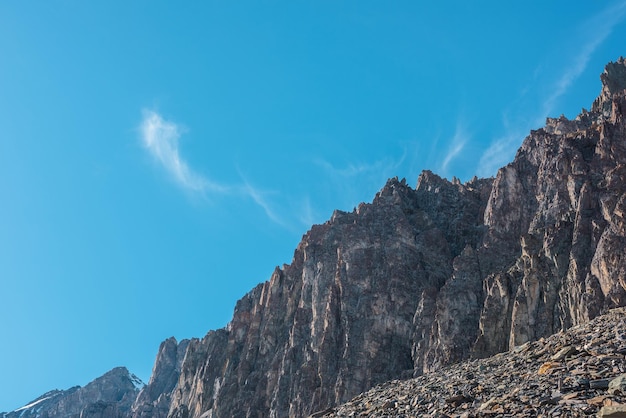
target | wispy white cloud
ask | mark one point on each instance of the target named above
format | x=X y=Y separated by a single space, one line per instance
x=593 y=33
x=306 y=213
x=383 y=167
x=260 y=197
x=352 y=181
x=460 y=138
x=160 y=137
x=289 y=212
x=498 y=154
x=501 y=151
x=596 y=30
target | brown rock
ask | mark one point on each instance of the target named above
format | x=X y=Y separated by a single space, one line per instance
x=425 y=277
x=563 y=353
x=547 y=367
x=612 y=412
x=617 y=386
x=597 y=400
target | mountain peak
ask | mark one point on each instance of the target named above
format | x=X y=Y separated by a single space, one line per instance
x=614 y=76
x=613 y=84
x=113 y=393
x=414 y=281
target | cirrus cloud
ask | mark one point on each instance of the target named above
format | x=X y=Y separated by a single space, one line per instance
x=592 y=34
x=160 y=137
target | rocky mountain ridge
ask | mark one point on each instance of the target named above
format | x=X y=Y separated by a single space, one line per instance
x=109 y=396
x=418 y=279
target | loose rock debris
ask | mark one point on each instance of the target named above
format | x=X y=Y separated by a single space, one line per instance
x=576 y=373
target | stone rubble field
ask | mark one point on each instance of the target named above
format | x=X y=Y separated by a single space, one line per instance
x=576 y=373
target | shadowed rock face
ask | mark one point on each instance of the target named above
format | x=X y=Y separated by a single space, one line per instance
x=419 y=278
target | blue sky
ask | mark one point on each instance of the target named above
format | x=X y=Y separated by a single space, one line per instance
x=158 y=160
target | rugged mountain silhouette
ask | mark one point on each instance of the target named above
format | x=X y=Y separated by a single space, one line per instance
x=419 y=278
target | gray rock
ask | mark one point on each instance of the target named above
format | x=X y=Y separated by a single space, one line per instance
x=154 y=399
x=340 y=318
x=422 y=278
x=612 y=412
x=109 y=396
x=599 y=384
x=511 y=384
x=617 y=386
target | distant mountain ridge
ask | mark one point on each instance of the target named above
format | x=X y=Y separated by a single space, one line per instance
x=418 y=279
x=109 y=396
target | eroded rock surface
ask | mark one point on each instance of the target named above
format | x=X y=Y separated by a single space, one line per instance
x=421 y=278
x=424 y=277
x=154 y=399
x=109 y=396
x=339 y=318
x=577 y=373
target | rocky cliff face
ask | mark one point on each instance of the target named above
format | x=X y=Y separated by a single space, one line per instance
x=154 y=399
x=577 y=373
x=420 y=278
x=339 y=318
x=116 y=394
x=557 y=213
x=109 y=396
x=428 y=276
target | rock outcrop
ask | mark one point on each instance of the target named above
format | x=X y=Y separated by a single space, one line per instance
x=116 y=394
x=577 y=373
x=154 y=399
x=421 y=278
x=109 y=396
x=418 y=279
x=339 y=318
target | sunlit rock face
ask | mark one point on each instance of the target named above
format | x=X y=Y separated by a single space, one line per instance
x=555 y=215
x=426 y=276
x=420 y=278
x=154 y=399
x=340 y=318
